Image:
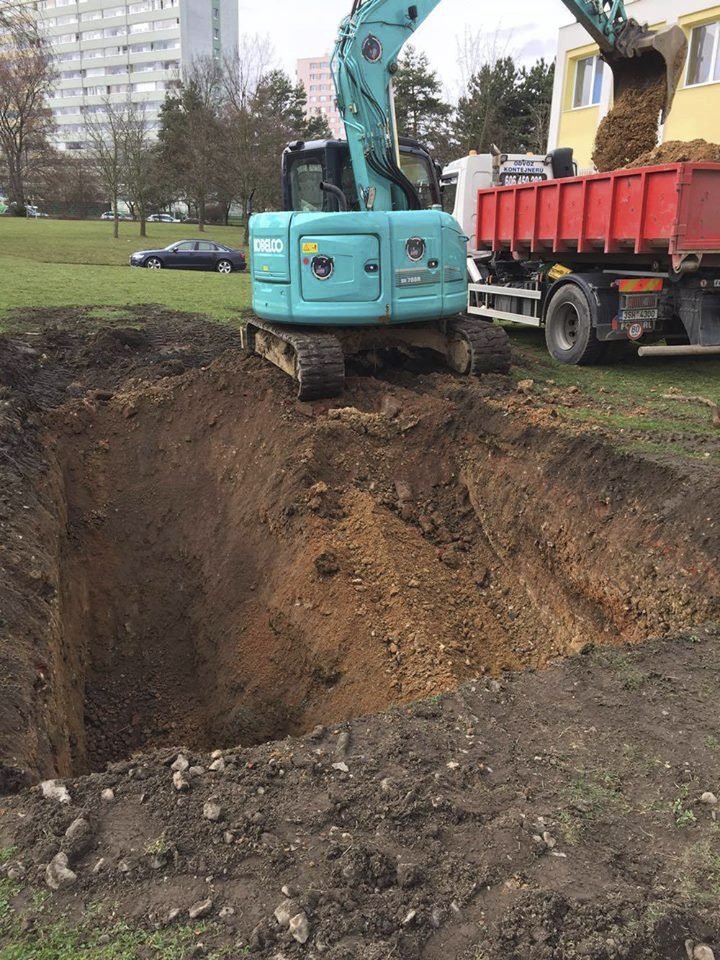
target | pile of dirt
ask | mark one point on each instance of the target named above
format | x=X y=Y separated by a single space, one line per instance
x=630 y=129
x=679 y=151
x=189 y=556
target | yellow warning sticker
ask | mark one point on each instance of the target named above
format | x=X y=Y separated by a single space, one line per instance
x=310 y=248
x=558 y=272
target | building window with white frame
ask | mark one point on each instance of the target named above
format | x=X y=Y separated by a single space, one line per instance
x=588 y=82
x=703 y=65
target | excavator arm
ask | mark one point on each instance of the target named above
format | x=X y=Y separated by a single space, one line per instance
x=366 y=59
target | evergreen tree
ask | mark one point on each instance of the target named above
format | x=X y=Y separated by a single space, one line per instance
x=193 y=142
x=536 y=91
x=419 y=106
x=507 y=106
x=316 y=128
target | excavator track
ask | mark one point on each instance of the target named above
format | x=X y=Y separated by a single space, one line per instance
x=314 y=359
x=488 y=347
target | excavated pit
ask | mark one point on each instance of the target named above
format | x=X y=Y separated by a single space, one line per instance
x=223 y=566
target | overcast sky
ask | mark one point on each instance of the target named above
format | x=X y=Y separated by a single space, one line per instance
x=306 y=28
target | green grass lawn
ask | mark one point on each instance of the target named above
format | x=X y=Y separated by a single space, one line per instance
x=55 y=263
x=625 y=399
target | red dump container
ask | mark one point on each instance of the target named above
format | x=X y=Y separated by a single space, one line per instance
x=670 y=209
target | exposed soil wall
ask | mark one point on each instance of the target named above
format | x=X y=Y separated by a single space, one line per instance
x=189 y=556
x=222 y=566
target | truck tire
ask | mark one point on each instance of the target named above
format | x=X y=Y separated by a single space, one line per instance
x=569 y=332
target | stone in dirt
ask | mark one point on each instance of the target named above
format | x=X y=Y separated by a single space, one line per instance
x=181 y=784
x=212 y=810
x=55 y=790
x=200 y=909
x=286 y=911
x=78 y=838
x=181 y=764
x=58 y=873
x=300 y=928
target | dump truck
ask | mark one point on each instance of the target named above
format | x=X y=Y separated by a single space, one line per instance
x=632 y=255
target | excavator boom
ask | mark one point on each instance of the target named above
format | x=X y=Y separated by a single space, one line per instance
x=365 y=60
x=637 y=56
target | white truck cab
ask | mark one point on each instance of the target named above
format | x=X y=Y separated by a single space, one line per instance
x=461 y=180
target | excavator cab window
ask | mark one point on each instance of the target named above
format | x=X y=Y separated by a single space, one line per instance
x=420 y=172
x=307 y=165
x=306 y=175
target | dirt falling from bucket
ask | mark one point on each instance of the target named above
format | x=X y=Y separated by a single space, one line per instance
x=630 y=129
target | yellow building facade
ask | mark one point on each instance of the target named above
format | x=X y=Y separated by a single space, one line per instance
x=583 y=84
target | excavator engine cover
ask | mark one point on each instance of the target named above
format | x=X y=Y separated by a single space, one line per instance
x=357 y=269
x=647 y=58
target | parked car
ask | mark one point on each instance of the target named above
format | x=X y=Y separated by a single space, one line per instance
x=162 y=218
x=109 y=215
x=191 y=255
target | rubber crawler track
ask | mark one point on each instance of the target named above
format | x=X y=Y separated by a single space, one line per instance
x=490 y=346
x=319 y=358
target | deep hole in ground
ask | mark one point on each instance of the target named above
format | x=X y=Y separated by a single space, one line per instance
x=228 y=567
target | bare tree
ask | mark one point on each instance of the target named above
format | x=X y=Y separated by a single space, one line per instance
x=243 y=76
x=106 y=134
x=140 y=163
x=477 y=49
x=193 y=136
x=26 y=81
x=242 y=72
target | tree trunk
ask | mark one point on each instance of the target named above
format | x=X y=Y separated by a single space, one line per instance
x=201 y=216
x=116 y=222
x=16 y=188
x=143 y=224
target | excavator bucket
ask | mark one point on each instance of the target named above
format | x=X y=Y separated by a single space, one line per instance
x=647 y=61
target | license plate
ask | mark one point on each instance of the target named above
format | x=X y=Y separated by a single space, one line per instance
x=638 y=316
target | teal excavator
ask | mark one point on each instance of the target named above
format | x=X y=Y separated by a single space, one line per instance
x=370 y=267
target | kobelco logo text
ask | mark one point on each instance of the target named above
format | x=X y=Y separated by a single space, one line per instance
x=268 y=245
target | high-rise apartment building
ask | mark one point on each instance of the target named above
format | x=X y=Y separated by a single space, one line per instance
x=115 y=49
x=314 y=74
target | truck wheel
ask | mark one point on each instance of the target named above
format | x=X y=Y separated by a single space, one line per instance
x=569 y=332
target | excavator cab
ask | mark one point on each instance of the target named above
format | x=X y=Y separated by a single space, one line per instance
x=305 y=166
